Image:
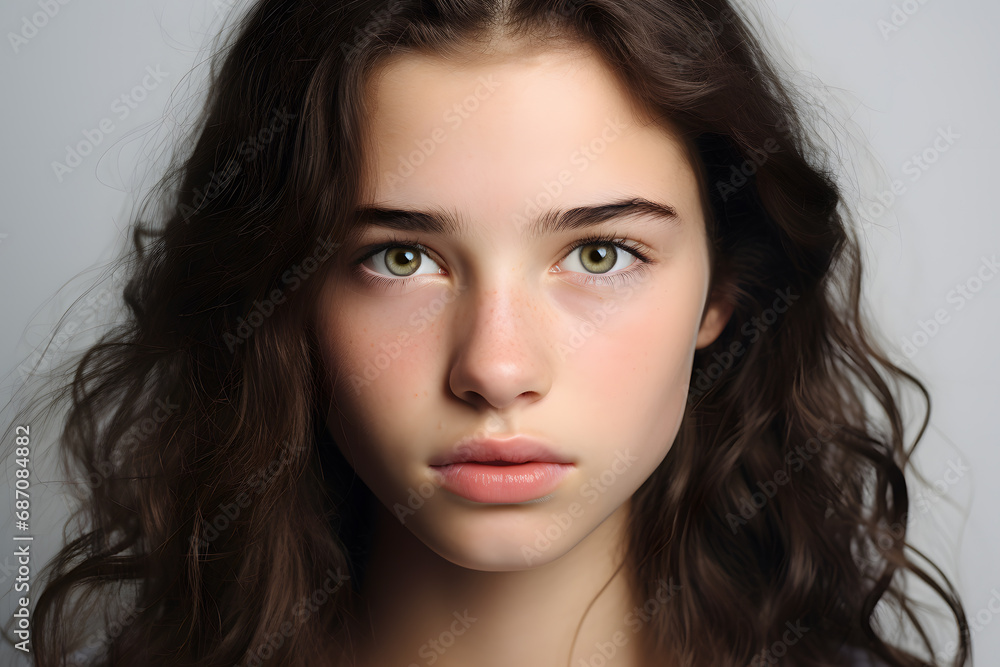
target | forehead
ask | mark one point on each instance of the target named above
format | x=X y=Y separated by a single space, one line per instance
x=491 y=135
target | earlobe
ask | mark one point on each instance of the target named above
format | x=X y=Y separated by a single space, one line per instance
x=717 y=313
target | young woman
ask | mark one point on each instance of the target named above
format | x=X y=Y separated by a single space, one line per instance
x=492 y=333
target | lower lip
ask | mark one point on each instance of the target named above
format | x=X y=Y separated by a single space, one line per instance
x=519 y=483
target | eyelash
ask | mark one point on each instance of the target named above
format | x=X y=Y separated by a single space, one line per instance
x=632 y=273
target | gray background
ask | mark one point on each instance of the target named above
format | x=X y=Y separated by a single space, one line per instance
x=884 y=94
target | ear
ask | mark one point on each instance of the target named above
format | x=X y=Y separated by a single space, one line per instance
x=718 y=310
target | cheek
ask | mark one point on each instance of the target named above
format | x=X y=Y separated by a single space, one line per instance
x=631 y=376
x=638 y=354
x=379 y=353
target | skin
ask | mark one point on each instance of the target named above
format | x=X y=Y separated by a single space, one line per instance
x=494 y=358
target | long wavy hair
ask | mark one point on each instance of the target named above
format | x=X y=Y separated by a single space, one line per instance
x=219 y=525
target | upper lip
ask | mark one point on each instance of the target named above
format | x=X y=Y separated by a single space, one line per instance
x=516 y=449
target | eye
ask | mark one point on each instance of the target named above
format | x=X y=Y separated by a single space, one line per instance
x=401 y=261
x=599 y=257
x=597 y=260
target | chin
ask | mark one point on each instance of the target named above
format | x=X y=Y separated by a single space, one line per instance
x=499 y=539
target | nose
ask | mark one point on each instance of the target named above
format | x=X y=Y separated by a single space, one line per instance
x=501 y=357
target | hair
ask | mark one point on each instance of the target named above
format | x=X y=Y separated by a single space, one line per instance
x=782 y=500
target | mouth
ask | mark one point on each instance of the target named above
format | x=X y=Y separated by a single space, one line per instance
x=518 y=469
x=496 y=463
x=502 y=482
x=515 y=450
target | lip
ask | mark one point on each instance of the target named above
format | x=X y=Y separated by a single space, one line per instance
x=517 y=483
x=516 y=449
x=514 y=470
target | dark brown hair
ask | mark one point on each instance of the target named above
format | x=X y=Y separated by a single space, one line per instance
x=781 y=504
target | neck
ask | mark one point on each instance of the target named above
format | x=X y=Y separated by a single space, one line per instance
x=425 y=610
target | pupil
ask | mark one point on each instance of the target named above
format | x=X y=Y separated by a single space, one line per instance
x=603 y=258
x=400 y=258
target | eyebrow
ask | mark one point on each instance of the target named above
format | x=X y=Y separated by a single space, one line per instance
x=552 y=221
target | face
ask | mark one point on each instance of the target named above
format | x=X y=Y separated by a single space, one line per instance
x=476 y=320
